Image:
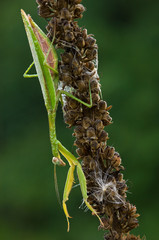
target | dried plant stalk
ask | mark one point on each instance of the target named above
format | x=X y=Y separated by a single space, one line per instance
x=101 y=163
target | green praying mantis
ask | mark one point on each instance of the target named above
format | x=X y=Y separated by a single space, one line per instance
x=46 y=65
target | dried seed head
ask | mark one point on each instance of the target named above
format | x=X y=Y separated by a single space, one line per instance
x=106 y=188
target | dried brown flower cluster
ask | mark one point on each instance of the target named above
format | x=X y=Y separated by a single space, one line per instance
x=101 y=163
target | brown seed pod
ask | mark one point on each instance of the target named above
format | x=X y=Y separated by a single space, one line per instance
x=95 y=87
x=61 y=4
x=90 y=41
x=116 y=161
x=106 y=119
x=73 y=104
x=98 y=124
x=86 y=122
x=102 y=105
x=65 y=77
x=79 y=131
x=77 y=71
x=81 y=85
x=90 y=133
x=95 y=98
x=65 y=14
x=80 y=42
x=102 y=136
x=94 y=145
x=70 y=121
x=89 y=65
x=81 y=152
x=63 y=68
x=66 y=57
x=69 y=36
x=79 y=9
x=109 y=152
x=90 y=54
x=75 y=63
x=84 y=33
x=78 y=143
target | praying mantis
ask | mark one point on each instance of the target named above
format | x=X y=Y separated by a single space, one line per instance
x=46 y=65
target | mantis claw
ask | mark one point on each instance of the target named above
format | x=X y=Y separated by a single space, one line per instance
x=67 y=215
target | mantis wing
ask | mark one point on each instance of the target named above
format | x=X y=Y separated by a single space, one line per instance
x=40 y=45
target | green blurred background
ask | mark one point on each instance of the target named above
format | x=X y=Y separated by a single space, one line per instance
x=127 y=34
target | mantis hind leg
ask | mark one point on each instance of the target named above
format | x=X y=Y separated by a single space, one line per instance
x=70 y=179
x=83 y=185
x=67 y=189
